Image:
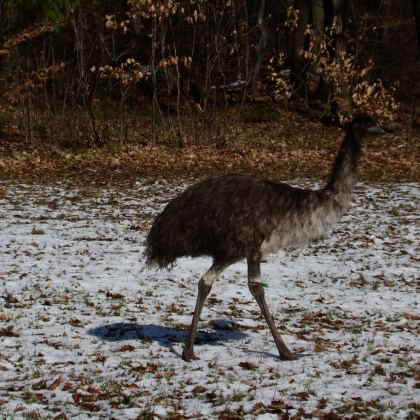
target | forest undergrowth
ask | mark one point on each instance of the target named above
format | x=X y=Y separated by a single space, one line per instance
x=268 y=141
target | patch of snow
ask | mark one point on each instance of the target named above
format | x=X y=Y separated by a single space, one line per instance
x=77 y=305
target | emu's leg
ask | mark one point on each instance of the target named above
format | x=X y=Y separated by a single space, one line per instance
x=204 y=287
x=257 y=290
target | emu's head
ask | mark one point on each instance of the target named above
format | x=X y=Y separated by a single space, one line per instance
x=363 y=124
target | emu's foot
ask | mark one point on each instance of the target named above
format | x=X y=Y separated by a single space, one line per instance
x=293 y=356
x=188 y=355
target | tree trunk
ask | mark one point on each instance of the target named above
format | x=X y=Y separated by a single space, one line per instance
x=246 y=40
x=386 y=15
x=297 y=61
x=416 y=12
x=261 y=49
x=83 y=83
x=317 y=84
x=342 y=99
x=318 y=18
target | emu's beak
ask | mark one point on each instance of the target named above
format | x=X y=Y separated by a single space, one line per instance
x=376 y=130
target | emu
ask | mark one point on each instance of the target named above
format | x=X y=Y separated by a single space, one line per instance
x=233 y=217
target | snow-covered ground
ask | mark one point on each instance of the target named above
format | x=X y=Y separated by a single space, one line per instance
x=86 y=331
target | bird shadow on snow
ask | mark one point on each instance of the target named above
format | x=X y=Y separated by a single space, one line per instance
x=167 y=336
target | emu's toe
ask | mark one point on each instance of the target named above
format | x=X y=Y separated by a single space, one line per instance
x=293 y=356
x=189 y=356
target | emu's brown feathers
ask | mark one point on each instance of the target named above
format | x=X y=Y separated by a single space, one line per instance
x=233 y=217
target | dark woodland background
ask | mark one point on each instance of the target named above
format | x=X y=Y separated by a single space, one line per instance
x=94 y=73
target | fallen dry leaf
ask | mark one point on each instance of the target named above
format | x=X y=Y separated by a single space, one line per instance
x=56 y=383
x=6 y=316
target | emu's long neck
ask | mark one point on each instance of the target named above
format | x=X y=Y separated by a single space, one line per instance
x=344 y=171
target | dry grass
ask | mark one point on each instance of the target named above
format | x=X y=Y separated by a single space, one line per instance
x=267 y=141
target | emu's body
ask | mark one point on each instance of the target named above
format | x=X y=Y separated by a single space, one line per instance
x=233 y=217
